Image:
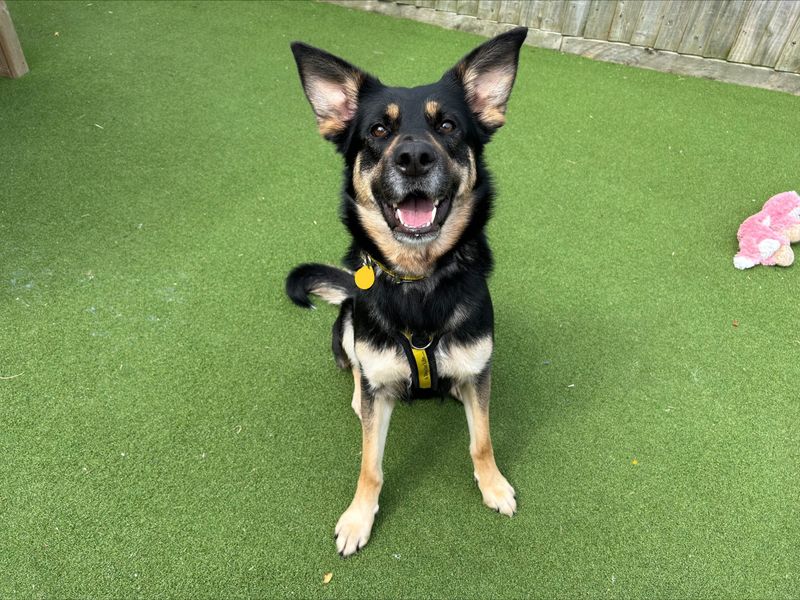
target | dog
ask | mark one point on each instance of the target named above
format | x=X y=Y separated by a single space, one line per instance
x=415 y=317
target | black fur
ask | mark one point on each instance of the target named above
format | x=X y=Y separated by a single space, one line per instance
x=337 y=332
x=457 y=282
x=304 y=278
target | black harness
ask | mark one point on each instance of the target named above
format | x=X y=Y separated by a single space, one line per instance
x=419 y=349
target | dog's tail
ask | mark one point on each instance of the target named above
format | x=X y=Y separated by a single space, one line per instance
x=332 y=284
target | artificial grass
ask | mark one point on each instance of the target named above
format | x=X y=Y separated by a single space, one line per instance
x=178 y=429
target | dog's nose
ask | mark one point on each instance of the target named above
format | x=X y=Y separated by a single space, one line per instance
x=414 y=158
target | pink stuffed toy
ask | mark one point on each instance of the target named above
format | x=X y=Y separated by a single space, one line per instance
x=764 y=238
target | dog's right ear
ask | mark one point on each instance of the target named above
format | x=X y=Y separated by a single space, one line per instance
x=331 y=85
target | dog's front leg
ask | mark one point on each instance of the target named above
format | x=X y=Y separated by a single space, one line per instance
x=496 y=491
x=354 y=526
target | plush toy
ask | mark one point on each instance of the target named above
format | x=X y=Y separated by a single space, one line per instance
x=764 y=238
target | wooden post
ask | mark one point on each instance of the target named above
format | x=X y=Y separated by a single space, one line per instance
x=12 y=61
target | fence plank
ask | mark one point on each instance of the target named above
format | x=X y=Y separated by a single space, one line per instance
x=672 y=62
x=755 y=23
x=488 y=10
x=446 y=5
x=780 y=27
x=510 y=11
x=532 y=14
x=575 y=15
x=790 y=57
x=467 y=7
x=552 y=15
x=674 y=18
x=701 y=25
x=624 y=20
x=725 y=29
x=601 y=14
x=424 y=3
x=648 y=24
x=673 y=26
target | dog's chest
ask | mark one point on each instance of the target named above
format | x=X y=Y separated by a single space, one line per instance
x=455 y=361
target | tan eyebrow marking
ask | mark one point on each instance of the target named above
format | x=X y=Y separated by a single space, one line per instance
x=393 y=111
x=431 y=109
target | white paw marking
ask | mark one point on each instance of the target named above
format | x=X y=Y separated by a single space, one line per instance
x=353 y=529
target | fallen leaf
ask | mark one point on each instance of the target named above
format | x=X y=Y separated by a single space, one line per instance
x=326 y=579
x=634 y=462
x=736 y=322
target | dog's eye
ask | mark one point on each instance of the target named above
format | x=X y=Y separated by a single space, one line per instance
x=447 y=127
x=379 y=131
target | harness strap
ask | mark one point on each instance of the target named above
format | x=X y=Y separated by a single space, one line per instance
x=420 y=353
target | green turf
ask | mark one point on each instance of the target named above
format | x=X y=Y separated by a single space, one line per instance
x=178 y=428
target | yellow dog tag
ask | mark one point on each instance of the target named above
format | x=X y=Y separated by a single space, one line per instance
x=365 y=277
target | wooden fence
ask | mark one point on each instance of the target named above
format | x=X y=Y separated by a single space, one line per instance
x=750 y=42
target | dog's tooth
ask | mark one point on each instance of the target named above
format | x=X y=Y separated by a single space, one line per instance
x=433 y=216
x=397 y=214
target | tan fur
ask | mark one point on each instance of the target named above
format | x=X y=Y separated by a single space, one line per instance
x=407 y=259
x=362 y=182
x=356 y=403
x=488 y=92
x=355 y=525
x=496 y=491
x=334 y=103
x=431 y=109
x=330 y=126
x=393 y=111
x=493 y=117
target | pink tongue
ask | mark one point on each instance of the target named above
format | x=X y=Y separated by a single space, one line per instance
x=416 y=212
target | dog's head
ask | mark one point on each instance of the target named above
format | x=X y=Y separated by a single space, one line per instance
x=412 y=153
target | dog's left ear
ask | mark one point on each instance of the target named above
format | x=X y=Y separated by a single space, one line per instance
x=332 y=86
x=487 y=75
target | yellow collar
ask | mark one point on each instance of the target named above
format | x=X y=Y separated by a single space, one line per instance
x=365 y=276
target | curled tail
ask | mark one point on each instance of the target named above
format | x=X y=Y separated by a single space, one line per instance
x=332 y=284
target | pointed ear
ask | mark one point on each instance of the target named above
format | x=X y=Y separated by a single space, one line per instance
x=331 y=85
x=487 y=76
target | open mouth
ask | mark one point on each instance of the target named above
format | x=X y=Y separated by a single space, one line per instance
x=417 y=215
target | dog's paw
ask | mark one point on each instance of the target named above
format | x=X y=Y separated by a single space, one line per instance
x=498 y=494
x=353 y=529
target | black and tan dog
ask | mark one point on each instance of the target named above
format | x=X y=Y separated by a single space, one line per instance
x=416 y=317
